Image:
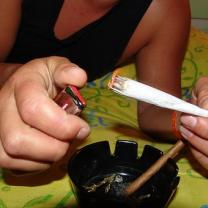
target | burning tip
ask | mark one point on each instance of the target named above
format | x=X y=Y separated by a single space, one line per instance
x=113 y=79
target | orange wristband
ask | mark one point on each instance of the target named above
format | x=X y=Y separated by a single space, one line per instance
x=175 y=131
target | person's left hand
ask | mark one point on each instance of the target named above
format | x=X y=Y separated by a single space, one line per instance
x=194 y=129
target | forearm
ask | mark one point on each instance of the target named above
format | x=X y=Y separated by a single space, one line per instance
x=158 y=122
x=6 y=70
x=159 y=65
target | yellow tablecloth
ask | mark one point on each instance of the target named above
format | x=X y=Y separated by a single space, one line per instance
x=113 y=117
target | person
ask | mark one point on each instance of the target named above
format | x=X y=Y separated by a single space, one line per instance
x=47 y=45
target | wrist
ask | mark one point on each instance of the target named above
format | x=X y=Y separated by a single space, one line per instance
x=175 y=122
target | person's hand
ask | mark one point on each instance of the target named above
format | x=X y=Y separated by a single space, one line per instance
x=195 y=129
x=34 y=131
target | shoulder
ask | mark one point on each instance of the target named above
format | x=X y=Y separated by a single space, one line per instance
x=165 y=15
x=6 y=5
x=162 y=6
x=161 y=11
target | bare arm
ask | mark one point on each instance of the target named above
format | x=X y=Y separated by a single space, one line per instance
x=10 y=14
x=27 y=112
x=159 y=61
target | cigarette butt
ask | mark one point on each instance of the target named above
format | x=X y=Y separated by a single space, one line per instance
x=142 y=179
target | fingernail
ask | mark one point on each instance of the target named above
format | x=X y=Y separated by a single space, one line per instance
x=185 y=132
x=83 y=133
x=188 y=121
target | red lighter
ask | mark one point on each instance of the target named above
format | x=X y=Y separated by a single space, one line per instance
x=71 y=100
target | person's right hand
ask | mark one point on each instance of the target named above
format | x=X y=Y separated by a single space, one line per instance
x=34 y=131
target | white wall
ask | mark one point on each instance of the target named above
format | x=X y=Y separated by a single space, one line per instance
x=199 y=8
x=199 y=11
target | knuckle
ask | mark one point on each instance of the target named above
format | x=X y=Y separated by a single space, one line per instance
x=53 y=58
x=203 y=93
x=28 y=109
x=53 y=61
x=202 y=128
x=13 y=144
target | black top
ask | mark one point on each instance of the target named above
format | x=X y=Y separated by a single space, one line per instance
x=96 y=47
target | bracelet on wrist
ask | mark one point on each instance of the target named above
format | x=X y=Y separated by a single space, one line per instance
x=174 y=123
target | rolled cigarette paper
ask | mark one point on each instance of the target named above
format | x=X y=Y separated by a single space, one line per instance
x=145 y=93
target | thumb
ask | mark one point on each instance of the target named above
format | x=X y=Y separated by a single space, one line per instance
x=200 y=92
x=66 y=73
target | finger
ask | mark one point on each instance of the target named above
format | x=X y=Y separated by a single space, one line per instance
x=49 y=70
x=70 y=75
x=197 y=125
x=8 y=162
x=33 y=145
x=66 y=73
x=41 y=112
x=200 y=157
x=20 y=140
x=197 y=142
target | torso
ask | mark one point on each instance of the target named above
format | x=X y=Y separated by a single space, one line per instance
x=75 y=15
x=84 y=31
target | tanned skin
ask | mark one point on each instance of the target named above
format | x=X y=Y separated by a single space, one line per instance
x=40 y=133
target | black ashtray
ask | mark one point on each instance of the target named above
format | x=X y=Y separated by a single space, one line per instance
x=99 y=177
